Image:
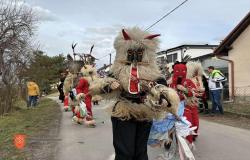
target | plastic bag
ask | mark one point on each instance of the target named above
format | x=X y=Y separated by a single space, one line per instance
x=83 y=109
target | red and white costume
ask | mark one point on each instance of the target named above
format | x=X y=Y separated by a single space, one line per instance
x=185 y=89
x=83 y=87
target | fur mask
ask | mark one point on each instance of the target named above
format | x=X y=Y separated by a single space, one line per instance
x=89 y=71
x=194 y=69
x=135 y=52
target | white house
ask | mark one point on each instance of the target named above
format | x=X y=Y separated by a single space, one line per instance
x=179 y=52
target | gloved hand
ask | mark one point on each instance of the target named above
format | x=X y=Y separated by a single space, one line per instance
x=181 y=88
x=114 y=85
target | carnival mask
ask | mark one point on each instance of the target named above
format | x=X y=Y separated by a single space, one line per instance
x=135 y=55
x=179 y=72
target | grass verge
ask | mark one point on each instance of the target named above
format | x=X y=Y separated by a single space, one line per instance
x=33 y=123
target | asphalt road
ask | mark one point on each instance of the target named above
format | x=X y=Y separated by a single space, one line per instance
x=215 y=142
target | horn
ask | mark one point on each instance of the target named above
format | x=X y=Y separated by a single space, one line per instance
x=125 y=35
x=73 y=48
x=91 y=49
x=152 y=36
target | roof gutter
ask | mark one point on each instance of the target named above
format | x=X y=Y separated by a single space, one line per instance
x=232 y=74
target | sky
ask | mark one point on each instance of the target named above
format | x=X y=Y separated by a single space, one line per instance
x=97 y=22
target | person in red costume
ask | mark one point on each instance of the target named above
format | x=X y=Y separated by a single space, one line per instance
x=83 y=87
x=185 y=89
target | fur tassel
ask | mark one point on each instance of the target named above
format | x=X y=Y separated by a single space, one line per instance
x=126 y=110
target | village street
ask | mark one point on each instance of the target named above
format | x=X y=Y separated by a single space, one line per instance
x=216 y=141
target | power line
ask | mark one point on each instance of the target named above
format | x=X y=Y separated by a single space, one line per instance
x=103 y=56
x=109 y=54
x=106 y=55
x=166 y=14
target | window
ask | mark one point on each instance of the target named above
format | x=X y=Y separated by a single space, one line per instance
x=160 y=60
x=172 y=58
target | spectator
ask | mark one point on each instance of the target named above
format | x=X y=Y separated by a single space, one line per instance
x=60 y=89
x=205 y=96
x=33 y=93
x=215 y=88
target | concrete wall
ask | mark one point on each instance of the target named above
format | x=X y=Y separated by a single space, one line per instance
x=240 y=54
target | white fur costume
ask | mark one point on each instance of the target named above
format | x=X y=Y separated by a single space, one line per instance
x=194 y=73
x=90 y=74
x=148 y=71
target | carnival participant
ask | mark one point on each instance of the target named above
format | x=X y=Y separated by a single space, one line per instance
x=67 y=87
x=195 y=73
x=134 y=83
x=87 y=72
x=185 y=89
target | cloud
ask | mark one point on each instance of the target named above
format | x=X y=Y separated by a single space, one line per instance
x=97 y=22
x=44 y=14
x=41 y=13
x=103 y=30
x=101 y=37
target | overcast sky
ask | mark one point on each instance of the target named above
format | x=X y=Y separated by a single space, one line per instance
x=98 y=21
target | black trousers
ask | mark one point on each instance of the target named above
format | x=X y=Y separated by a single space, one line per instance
x=130 y=139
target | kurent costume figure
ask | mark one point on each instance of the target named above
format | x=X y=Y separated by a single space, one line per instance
x=136 y=84
x=89 y=73
x=195 y=73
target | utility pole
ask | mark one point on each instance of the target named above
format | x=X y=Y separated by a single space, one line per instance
x=109 y=58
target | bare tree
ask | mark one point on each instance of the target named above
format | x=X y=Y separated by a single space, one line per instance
x=17 y=25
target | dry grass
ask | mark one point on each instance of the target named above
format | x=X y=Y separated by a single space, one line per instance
x=33 y=123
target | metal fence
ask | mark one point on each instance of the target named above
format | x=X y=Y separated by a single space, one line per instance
x=242 y=91
x=242 y=94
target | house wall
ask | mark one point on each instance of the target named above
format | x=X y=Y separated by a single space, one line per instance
x=240 y=54
x=193 y=52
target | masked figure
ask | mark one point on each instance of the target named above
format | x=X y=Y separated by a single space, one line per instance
x=186 y=91
x=139 y=95
x=195 y=73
